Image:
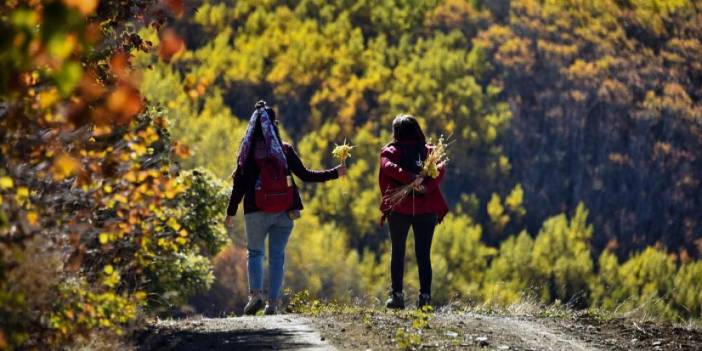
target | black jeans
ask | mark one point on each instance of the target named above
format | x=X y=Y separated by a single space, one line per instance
x=423 y=227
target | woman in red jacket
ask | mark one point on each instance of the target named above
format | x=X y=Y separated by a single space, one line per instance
x=400 y=164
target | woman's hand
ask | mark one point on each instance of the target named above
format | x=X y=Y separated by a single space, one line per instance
x=229 y=221
x=341 y=169
x=420 y=189
x=417 y=181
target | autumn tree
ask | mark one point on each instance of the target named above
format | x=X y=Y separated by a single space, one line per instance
x=91 y=203
x=606 y=103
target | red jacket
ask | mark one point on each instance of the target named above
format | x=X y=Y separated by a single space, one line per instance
x=393 y=176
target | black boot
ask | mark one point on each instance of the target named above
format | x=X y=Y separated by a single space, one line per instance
x=254 y=305
x=424 y=300
x=396 y=301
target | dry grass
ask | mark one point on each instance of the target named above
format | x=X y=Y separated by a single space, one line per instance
x=101 y=342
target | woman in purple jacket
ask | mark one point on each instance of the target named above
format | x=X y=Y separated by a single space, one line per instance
x=268 y=213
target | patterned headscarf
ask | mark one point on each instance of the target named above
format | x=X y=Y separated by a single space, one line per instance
x=273 y=146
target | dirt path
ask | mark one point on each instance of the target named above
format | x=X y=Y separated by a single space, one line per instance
x=282 y=332
x=449 y=331
x=367 y=329
x=516 y=333
x=456 y=330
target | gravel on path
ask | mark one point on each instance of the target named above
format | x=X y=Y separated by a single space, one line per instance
x=280 y=332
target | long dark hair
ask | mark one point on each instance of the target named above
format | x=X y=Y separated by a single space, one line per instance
x=409 y=138
x=406 y=128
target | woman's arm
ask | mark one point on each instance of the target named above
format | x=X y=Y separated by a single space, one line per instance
x=392 y=169
x=238 y=190
x=298 y=168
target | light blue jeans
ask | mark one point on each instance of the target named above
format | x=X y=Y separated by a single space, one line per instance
x=277 y=227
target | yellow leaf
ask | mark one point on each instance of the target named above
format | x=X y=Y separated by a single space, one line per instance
x=69 y=314
x=139 y=149
x=85 y=7
x=181 y=240
x=32 y=217
x=108 y=269
x=112 y=279
x=22 y=195
x=61 y=46
x=173 y=223
x=6 y=183
x=183 y=232
x=104 y=238
x=120 y=198
x=131 y=177
x=65 y=166
x=170 y=193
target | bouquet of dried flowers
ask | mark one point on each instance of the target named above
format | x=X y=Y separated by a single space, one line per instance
x=436 y=159
x=342 y=152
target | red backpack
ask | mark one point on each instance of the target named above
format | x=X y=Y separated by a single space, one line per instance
x=274 y=191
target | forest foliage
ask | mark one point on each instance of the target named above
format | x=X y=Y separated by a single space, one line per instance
x=574 y=173
x=573 y=127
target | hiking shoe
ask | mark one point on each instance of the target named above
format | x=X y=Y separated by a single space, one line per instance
x=270 y=309
x=254 y=305
x=396 y=301
x=424 y=300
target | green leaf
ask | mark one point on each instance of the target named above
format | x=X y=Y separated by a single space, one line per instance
x=61 y=46
x=68 y=77
x=25 y=18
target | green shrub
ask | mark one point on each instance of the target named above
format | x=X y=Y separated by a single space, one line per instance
x=562 y=261
x=687 y=290
x=510 y=275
